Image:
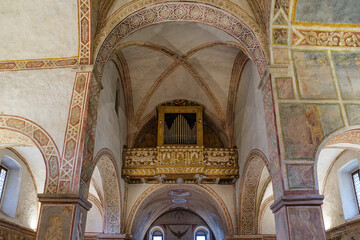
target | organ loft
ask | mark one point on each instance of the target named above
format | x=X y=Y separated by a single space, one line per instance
x=180 y=155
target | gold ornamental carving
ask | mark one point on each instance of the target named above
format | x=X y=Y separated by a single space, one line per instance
x=190 y=163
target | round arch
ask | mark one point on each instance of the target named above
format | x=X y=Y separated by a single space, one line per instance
x=42 y=140
x=128 y=9
x=141 y=207
x=105 y=161
x=255 y=163
x=182 y=12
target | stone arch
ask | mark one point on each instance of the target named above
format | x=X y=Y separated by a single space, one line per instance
x=346 y=138
x=182 y=12
x=40 y=139
x=168 y=12
x=147 y=196
x=105 y=161
x=133 y=7
x=255 y=163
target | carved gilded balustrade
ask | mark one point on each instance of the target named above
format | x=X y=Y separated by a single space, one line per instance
x=189 y=164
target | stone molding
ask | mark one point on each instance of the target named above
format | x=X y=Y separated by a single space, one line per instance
x=65 y=199
x=297 y=200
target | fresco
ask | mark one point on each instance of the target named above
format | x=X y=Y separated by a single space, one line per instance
x=281 y=56
x=300 y=175
x=313 y=75
x=328 y=11
x=285 y=88
x=353 y=113
x=8 y=234
x=305 y=223
x=280 y=36
x=347 y=67
x=281 y=224
x=305 y=125
x=56 y=222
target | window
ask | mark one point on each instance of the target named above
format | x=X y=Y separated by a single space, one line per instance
x=3 y=174
x=356 y=181
x=157 y=235
x=202 y=233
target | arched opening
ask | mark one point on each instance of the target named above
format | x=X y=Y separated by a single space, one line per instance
x=337 y=161
x=179 y=203
x=256 y=196
x=104 y=194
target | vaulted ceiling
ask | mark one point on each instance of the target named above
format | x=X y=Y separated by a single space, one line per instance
x=180 y=61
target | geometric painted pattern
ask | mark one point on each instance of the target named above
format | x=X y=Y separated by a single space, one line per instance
x=272 y=140
x=248 y=192
x=71 y=159
x=111 y=201
x=111 y=195
x=42 y=140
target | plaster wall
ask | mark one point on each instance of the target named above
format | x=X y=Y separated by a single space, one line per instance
x=36 y=162
x=94 y=220
x=134 y=192
x=26 y=211
x=333 y=203
x=268 y=222
x=249 y=126
x=38 y=29
x=111 y=128
x=263 y=180
x=226 y=192
x=43 y=96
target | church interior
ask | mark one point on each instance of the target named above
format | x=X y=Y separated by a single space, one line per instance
x=170 y=120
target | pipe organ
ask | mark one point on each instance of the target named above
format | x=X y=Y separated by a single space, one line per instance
x=179 y=129
x=180 y=125
x=180 y=154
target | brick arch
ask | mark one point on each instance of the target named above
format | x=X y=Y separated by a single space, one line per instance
x=255 y=163
x=105 y=161
x=42 y=140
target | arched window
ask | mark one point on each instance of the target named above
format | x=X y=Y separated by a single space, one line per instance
x=349 y=187
x=356 y=181
x=202 y=233
x=156 y=233
x=3 y=174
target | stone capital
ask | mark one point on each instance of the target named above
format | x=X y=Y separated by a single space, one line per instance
x=65 y=199
x=297 y=200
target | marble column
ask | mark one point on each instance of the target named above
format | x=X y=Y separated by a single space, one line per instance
x=299 y=217
x=62 y=216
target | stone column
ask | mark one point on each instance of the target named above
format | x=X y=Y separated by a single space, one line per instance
x=299 y=217
x=62 y=216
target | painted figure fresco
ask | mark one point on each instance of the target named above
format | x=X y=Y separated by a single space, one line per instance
x=300 y=175
x=55 y=230
x=313 y=74
x=280 y=36
x=328 y=11
x=305 y=125
x=347 y=66
x=56 y=221
x=304 y=223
